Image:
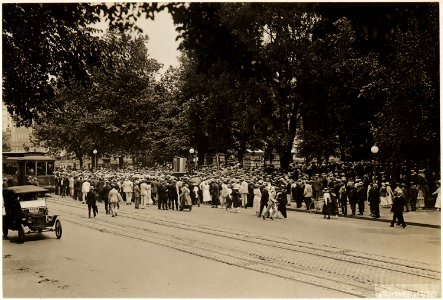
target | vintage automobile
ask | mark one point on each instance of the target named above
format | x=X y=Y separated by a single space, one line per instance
x=25 y=206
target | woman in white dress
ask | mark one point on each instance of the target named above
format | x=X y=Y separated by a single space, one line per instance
x=257 y=199
x=383 y=191
x=420 y=197
x=389 y=193
x=205 y=190
x=438 y=200
x=224 y=194
x=149 y=195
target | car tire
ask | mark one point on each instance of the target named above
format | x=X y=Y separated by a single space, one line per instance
x=58 y=229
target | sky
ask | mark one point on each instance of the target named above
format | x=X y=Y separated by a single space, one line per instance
x=162 y=44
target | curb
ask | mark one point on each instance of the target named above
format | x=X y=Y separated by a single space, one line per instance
x=367 y=218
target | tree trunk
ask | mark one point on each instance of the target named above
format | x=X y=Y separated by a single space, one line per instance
x=81 y=161
x=120 y=162
x=285 y=159
x=241 y=153
x=240 y=157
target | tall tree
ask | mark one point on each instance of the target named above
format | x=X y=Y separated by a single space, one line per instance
x=116 y=111
x=44 y=45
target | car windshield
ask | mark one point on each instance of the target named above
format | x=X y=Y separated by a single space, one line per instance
x=29 y=196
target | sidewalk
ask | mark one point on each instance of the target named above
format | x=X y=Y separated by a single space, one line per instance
x=425 y=218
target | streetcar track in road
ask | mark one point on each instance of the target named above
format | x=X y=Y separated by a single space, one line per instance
x=434 y=274
x=171 y=242
x=310 y=246
x=336 y=255
x=240 y=249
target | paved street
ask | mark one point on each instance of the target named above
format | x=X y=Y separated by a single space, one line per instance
x=214 y=253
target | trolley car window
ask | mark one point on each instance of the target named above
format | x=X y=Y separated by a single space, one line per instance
x=10 y=168
x=50 y=168
x=30 y=168
x=41 y=168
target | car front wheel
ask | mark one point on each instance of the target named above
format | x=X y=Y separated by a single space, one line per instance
x=58 y=229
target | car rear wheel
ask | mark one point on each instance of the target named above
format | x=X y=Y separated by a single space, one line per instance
x=58 y=229
x=21 y=234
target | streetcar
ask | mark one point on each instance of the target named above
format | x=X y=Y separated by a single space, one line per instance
x=20 y=167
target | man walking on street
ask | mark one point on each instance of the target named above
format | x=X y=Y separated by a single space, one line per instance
x=91 y=200
x=114 y=198
x=85 y=190
x=398 y=203
x=106 y=190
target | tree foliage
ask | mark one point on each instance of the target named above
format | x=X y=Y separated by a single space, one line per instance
x=342 y=76
x=116 y=112
x=44 y=45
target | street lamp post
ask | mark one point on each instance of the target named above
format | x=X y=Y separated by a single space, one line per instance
x=374 y=150
x=95 y=159
x=191 y=157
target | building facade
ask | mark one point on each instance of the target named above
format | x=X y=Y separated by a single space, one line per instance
x=16 y=138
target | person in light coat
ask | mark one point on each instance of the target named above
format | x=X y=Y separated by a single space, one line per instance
x=224 y=194
x=71 y=186
x=308 y=194
x=257 y=199
x=86 y=186
x=128 y=188
x=272 y=205
x=143 y=194
x=389 y=193
x=149 y=195
x=244 y=193
x=438 y=200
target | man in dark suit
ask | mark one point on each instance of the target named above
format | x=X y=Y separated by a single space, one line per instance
x=264 y=199
x=162 y=196
x=398 y=203
x=413 y=194
x=374 y=200
x=352 y=196
x=298 y=193
x=361 y=197
x=214 y=189
x=91 y=200
x=282 y=201
x=106 y=189
x=172 y=195
x=100 y=185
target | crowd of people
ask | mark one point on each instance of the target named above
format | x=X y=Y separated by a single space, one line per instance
x=328 y=189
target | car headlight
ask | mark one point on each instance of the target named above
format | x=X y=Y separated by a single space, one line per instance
x=29 y=219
